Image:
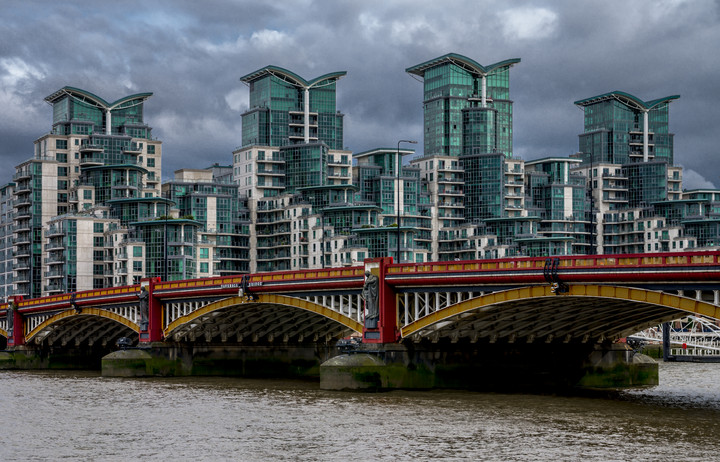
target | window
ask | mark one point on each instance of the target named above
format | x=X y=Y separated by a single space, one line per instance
x=204 y=266
x=150 y=162
x=62 y=171
x=98 y=227
x=61 y=144
x=137 y=266
x=137 y=251
x=151 y=149
x=204 y=253
x=87 y=194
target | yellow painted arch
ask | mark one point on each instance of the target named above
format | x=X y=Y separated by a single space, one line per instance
x=270 y=299
x=85 y=312
x=576 y=290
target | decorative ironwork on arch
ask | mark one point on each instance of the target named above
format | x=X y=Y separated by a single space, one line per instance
x=263 y=299
x=86 y=311
x=586 y=312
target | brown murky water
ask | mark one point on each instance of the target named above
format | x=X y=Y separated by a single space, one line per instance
x=81 y=416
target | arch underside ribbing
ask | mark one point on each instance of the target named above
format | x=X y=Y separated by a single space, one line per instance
x=585 y=314
x=266 y=319
x=92 y=326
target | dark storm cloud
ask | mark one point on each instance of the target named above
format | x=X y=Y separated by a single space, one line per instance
x=191 y=55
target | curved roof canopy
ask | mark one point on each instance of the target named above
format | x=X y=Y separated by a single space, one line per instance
x=95 y=100
x=290 y=77
x=461 y=61
x=627 y=99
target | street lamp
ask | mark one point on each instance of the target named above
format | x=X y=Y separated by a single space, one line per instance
x=399 y=164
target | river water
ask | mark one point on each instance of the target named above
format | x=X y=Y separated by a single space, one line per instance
x=82 y=416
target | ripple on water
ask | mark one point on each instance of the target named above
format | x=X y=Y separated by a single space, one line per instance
x=84 y=416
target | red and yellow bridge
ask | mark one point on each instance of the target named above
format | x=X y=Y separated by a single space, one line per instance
x=578 y=299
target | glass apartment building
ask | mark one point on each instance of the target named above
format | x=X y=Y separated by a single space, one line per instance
x=87 y=209
x=287 y=109
x=467 y=107
x=621 y=128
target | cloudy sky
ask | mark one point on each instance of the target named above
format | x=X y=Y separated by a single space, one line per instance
x=191 y=54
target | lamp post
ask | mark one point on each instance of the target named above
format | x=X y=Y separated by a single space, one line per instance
x=399 y=164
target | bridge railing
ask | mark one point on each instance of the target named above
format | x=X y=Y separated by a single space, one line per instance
x=258 y=281
x=675 y=259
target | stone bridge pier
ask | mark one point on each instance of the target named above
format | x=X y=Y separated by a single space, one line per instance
x=452 y=335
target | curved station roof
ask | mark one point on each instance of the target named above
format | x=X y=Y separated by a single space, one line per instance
x=461 y=61
x=290 y=77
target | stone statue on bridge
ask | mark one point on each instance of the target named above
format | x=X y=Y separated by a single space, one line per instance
x=144 y=297
x=370 y=295
x=10 y=316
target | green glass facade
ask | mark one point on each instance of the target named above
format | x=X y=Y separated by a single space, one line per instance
x=615 y=129
x=305 y=165
x=647 y=183
x=467 y=106
x=280 y=115
x=377 y=178
x=484 y=177
x=170 y=248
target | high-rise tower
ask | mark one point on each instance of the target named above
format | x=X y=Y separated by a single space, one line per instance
x=286 y=109
x=621 y=128
x=467 y=106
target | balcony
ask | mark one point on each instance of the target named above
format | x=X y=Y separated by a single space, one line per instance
x=270 y=171
x=23 y=213
x=55 y=288
x=449 y=179
x=55 y=259
x=21 y=175
x=133 y=149
x=54 y=246
x=22 y=226
x=54 y=231
x=21 y=277
x=21 y=266
x=91 y=148
x=23 y=201
x=91 y=160
x=54 y=274
x=23 y=188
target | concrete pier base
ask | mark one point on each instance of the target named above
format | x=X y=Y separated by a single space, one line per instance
x=28 y=358
x=300 y=361
x=488 y=367
x=618 y=367
x=6 y=360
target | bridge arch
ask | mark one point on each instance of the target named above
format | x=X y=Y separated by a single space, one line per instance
x=585 y=313
x=90 y=324
x=265 y=317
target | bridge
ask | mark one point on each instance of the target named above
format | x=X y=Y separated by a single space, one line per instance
x=536 y=308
